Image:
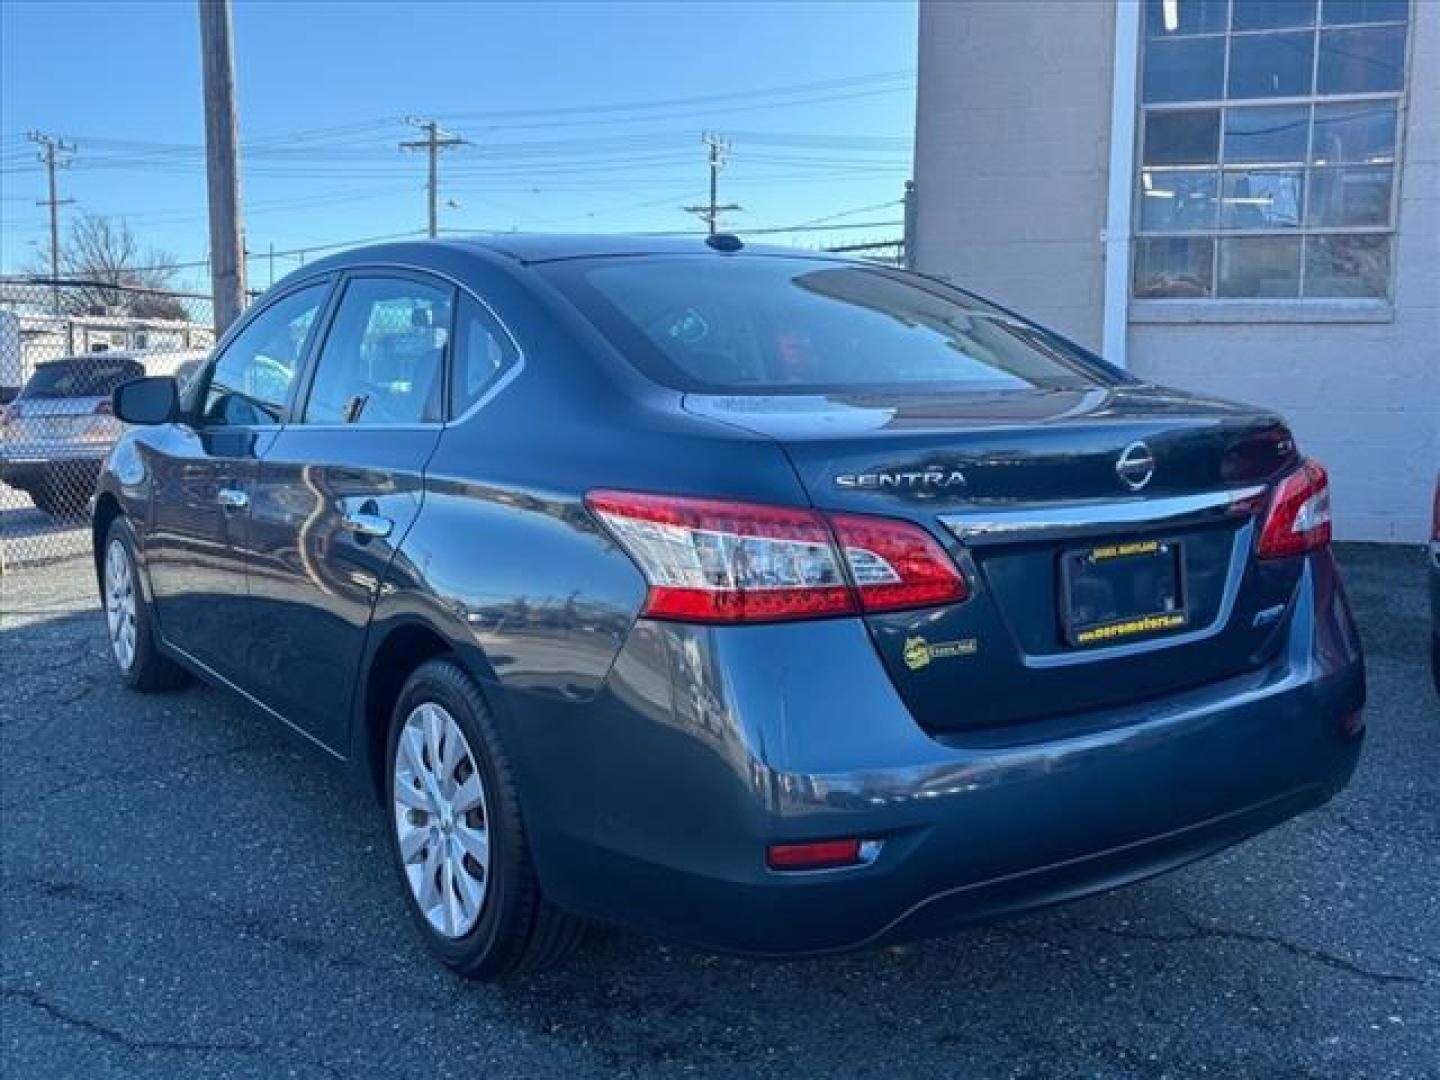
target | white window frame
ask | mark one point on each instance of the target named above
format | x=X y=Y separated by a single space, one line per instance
x=1239 y=308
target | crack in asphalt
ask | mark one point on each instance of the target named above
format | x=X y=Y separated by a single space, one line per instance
x=1199 y=931
x=115 y=1036
x=140 y=1044
x=134 y=774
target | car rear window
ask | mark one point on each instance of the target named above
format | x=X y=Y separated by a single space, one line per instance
x=768 y=325
x=83 y=376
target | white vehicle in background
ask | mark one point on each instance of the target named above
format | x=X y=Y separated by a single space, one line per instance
x=55 y=434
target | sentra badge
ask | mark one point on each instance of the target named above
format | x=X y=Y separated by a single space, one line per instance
x=903 y=480
x=919 y=653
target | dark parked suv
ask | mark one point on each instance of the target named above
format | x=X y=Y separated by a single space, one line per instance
x=762 y=600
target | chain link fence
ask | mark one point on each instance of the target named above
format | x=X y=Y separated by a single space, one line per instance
x=64 y=347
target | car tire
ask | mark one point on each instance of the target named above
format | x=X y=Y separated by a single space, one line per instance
x=512 y=928
x=128 y=618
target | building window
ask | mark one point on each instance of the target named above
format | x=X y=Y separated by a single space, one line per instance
x=1269 y=136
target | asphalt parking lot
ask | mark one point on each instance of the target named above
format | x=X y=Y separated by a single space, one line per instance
x=187 y=892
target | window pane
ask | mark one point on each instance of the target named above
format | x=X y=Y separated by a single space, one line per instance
x=1260 y=266
x=1337 y=12
x=1359 y=132
x=1276 y=134
x=1175 y=201
x=1271 y=65
x=482 y=352
x=252 y=379
x=1176 y=17
x=1190 y=137
x=1362 y=61
x=1347 y=266
x=1184 y=70
x=1273 y=14
x=383 y=357
x=1262 y=199
x=1352 y=197
x=1173 y=269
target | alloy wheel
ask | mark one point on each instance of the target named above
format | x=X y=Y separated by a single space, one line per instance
x=120 y=604
x=441 y=820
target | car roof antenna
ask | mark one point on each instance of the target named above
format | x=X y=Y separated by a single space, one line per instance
x=724 y=241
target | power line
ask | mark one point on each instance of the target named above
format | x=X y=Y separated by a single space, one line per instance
x=436 y=139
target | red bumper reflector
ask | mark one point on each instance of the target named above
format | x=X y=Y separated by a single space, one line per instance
x=817 y=855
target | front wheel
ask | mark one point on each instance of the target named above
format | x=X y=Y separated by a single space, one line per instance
x=127 y=619
x=457 y=837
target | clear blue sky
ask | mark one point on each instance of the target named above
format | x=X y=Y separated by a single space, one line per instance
x=580 y=116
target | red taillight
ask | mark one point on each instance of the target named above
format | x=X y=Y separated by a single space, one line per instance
x=895 y=564
x=712 y=561
x=816 y=855
x=1298 y=519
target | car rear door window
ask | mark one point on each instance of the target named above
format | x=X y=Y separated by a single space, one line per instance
x=383 y=360
x=483 y=352
x=251 y=382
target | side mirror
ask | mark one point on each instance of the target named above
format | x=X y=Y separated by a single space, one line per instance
x=154 y=399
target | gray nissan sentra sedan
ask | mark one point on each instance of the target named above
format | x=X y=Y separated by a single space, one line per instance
x=756 y=599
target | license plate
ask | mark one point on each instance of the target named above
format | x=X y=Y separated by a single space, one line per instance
x=1123 y=591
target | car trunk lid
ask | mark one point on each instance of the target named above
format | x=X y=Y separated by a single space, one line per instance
x=1072 y=513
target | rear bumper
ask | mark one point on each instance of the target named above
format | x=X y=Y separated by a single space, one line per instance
x=32 y=465
x=711 y=744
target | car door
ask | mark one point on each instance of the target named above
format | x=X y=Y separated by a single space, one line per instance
x=202 y=472
x=338 y=489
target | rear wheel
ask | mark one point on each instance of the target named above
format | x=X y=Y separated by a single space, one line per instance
x=127 y=618
x=456 y=833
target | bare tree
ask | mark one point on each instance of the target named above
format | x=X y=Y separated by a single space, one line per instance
x=100 y=251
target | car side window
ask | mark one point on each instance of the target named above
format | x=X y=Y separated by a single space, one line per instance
x=383 y=361
x=483 y=352
x=251 y=382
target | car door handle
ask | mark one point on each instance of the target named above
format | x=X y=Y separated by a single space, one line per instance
x=232 y=498
x=364 y=523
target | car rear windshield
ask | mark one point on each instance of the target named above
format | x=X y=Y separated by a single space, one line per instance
x=83 y=376
x=777 y=325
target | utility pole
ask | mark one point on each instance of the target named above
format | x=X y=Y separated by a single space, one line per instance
x=436 y=139
x=55 y=154
x=222 y=164
x=717 y=149
x=907 y=252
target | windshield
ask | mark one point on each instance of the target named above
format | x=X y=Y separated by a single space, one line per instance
x=82 y=376
x=768 y=325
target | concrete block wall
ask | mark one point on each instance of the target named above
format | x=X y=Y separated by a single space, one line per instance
x=1011 y=145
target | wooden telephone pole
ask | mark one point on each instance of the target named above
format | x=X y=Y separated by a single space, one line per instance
x=436 y=139
x=222 y=164
x=55 y=154
x=710 y=214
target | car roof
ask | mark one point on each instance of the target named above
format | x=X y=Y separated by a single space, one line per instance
x=548 y=247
